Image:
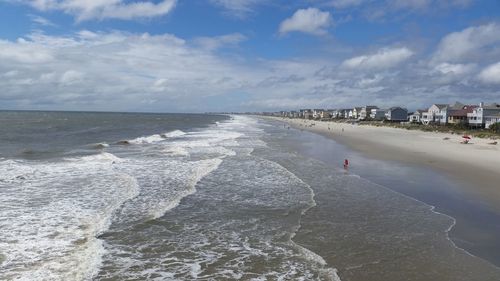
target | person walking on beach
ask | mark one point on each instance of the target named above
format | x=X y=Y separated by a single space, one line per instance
x=346 y=164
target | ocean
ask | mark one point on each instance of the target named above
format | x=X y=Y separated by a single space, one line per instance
x=129 y=196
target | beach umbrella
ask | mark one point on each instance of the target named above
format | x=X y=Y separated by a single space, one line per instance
x=466 y=137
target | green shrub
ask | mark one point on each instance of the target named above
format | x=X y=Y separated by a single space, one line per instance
x=495 y=127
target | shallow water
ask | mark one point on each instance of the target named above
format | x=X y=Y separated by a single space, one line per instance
x=478 y=227
x=213 y=201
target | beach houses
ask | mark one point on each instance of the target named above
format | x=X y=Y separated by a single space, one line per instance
x=340 y=113
x=366 y=112
x=306 y=113
x=396 y=113
x=356 y=112
x=325 y=114
x=436 y=114
x=416 y=116
x=316 y=113
x=377 y=114
x=477 y=118
x=459 y=116
x=334 y=113
x=491 y=119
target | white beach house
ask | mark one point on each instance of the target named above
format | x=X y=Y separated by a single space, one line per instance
x=416 y=116
x=366 y=112
x=356 y=112
x=479 y=115
x=436 y=114
x=316 y=113
x=491 y=119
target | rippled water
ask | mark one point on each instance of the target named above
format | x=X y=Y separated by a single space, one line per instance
x=203 y=200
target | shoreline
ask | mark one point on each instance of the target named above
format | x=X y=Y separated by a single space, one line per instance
x=343 y=206
x=475 y=166
x=471 y=201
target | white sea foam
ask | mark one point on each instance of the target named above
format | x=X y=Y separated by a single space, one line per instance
x=163 y=184
x=147 y=140
x=173 y=134
x=157 y=137
x=101 y=157
x=205 y=246
x=176 y=151
x=100 y=145
x=51 y=215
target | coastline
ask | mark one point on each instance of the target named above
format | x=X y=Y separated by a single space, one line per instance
x=474 y=228
x=475 y=166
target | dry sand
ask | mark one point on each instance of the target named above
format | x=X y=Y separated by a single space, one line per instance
x=475 y=166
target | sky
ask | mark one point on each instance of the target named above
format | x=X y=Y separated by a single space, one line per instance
x=246 y=55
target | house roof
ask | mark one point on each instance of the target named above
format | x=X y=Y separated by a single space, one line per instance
x=492 y=106
x=457 y=105
x=395 y=107
x=441 y=106
x=463 y=112
x=496 y=115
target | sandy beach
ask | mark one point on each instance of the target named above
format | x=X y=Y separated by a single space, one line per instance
x=475 y=166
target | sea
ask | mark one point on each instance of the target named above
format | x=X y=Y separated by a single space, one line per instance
x=134 y=196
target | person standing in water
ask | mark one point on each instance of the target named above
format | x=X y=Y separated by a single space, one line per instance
x=346 y=164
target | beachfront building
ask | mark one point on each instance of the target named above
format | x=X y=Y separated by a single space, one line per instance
x=436 y=114
x=349 y=114
x=449 y=110
x=366 y=112
x=459 y=116
x=306 y=113
x=377 y=114
x=416 y=116
x=316 y=113
x=396 y=114
x=339 y=113
x=324 y=114
x=477 y=118
x=356 y=113
x=491 y=119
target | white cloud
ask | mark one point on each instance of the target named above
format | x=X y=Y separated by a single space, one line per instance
x=384 y=58
x=491 y=74
x=341 y=4
x=213 y=43
x=105 y=9
x=310 y=20
x=455 y=69
x=24 y=51
x=115 y=71
x=71 y=77
x=41 y=21
x=468 y=43
x=125 y=71
x=238 y=8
